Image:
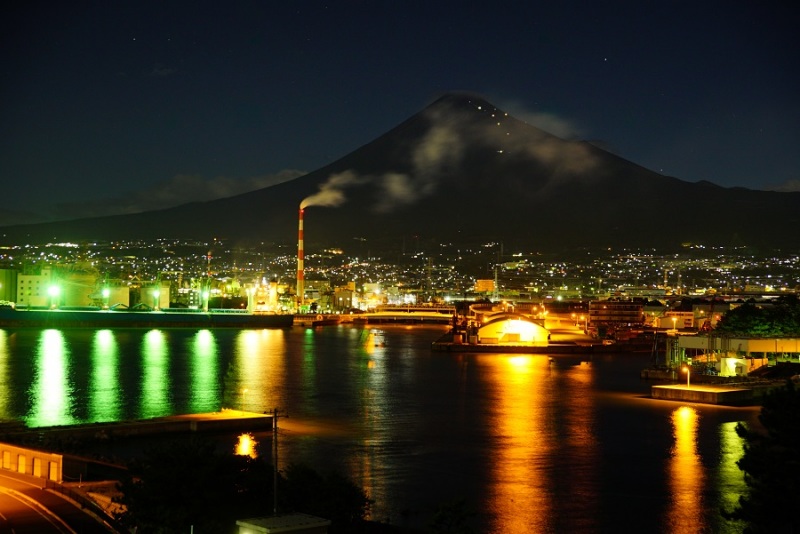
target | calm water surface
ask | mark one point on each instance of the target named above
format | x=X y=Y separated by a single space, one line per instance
x=572 y=445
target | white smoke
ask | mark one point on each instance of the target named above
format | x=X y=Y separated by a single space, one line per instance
x=441 y=146
x=331 y=193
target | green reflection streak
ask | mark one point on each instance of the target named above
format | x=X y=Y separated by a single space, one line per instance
x=104 y=384
x=5 y=391
x=51 y=393
x=155 y=379
x=309 y=367
x=204 y=395
x=731 y=478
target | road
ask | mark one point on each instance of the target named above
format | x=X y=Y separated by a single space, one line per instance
x=27 y=508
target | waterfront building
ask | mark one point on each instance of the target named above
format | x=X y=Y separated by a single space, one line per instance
x=8 y=285
x=513 y=328
x=606 y=316
x=35 y=288
x=731 y=356
x=675 y=319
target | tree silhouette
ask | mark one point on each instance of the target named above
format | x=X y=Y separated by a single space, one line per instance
x=782 y=318
x=771 y=463
x=188 y=485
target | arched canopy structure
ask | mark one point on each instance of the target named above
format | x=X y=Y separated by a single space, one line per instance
x=512 y=328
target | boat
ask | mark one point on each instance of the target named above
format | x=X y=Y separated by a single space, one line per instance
x=92 y=317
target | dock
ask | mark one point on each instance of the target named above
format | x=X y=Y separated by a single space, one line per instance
x=223 y=421
x=729 y=395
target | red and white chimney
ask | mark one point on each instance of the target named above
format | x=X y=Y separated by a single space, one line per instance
x=300 y=272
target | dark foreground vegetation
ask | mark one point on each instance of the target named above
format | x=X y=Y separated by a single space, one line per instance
x=771 y=464
x=782 y=319
x=189 y=486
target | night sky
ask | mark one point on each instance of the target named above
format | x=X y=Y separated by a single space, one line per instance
x=114 y=107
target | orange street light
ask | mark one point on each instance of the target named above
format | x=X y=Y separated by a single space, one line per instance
x=688 y=372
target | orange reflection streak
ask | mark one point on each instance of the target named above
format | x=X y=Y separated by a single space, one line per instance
x=260 y=370
x=581 y=444
x=686 y=475
x=369 y=467
x=519 y=496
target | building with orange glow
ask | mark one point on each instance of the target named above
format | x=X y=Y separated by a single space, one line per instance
x=613 y=314
x=512 y=328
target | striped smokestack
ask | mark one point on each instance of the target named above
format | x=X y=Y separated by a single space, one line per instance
x=300 y=276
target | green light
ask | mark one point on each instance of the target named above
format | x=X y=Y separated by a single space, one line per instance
x=54 y=291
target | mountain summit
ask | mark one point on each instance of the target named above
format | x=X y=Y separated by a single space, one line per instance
x=463 y=170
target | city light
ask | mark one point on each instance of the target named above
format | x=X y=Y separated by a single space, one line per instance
x=246 y=446
x=451 y=272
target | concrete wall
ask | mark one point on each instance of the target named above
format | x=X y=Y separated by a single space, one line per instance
x=703 y=396
x=39 y=464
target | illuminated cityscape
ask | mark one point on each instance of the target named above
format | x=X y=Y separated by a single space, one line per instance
x=177 y=273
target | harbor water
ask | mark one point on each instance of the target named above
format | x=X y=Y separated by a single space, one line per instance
x=531 y=443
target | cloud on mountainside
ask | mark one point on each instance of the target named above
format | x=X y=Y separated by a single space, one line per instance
x=549 y=122
x=789 y=186
x=444 y=145
x=180 y=189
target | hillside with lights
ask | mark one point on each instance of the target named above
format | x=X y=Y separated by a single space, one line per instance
x=462 y=170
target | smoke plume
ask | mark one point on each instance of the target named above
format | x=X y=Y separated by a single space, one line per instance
x=331 y=193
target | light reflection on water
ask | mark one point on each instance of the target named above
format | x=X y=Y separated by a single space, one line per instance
x=686 y=475
x=533 y=445
x=259 y=367
x=520 y=500
x=51 y=391
x=5 y=377
x=731 y=478
x=205 y=389
x=104 y=396
x=156 y=384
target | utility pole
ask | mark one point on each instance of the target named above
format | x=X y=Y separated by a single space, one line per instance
x=275 y=461
x=496 y=294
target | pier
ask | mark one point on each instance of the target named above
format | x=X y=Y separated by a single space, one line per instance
x=730 y=394
x=223 y=421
